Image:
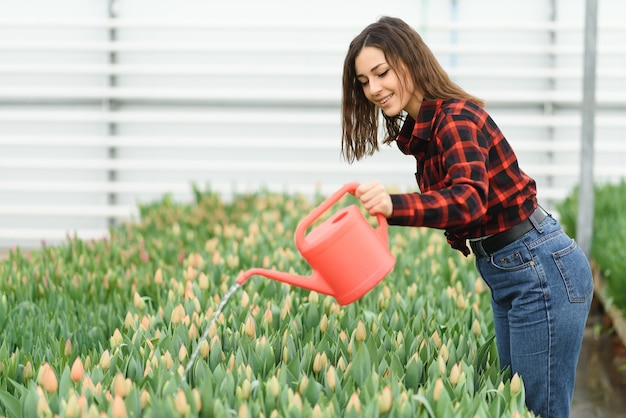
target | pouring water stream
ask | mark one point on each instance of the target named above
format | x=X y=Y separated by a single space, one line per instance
x=219 y=309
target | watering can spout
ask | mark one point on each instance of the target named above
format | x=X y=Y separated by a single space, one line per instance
x=314 y=282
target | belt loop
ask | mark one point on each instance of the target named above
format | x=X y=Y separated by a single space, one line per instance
x=534 y=222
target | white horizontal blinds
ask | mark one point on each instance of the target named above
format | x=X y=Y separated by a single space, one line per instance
x=240 y=99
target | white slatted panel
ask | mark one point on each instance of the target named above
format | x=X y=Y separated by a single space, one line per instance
x=98 y=114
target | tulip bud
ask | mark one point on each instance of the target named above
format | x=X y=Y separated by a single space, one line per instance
x=361 y=333
x=119 y=407
x=331 y=377
x=139 y=302
x=27 y=373
x=476 y=327
x=243 y=411
x=203 y=281
x=177 y=314
x=385 y=400
x=273 y=386
x=250 y=328
x=43 y=409
x=455 y=373
x=438 y=389
x=245 y=299
x=323 y=323
x=436 y=339
x=68 y=348
x=105 y=360
x=71 y=407
x=516 y=384
x=77 y=371
x=317 y=412
x=167 y=360
x=354 y=403
x=144 y=398
x=120 y=386
x=129 y=321
x=479 y=285
x=182 y=406
x=158 y=277
x=47 y=379
x=116 y=339
x=204 y=349
x=182 y=353
x=442 y=365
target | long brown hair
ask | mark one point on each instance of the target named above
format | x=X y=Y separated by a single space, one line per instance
x=403 y=48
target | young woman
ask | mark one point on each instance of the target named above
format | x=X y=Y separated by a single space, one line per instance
x=472 y=187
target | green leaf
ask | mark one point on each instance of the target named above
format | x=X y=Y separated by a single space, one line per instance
x=11 y=404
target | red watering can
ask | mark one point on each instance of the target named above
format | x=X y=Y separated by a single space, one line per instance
x=347 y=255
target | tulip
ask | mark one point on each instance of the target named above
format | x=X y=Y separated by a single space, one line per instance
x=442 y=365
x=438 y=389
x=139 y=302
x=105 y=360
x=177 y=314
x=516 y=384
x=204 y=349
x=68 y=348
x=167 y=360
x=197 y=399
x=476 y=327
x=455 y=374
x=385 y=400
x=203 y=281
x=118 y=407
x=144 y=398
x=158 y=277
x=182 y=406
x=43 y=409
x=273 y=387
x=361 y=333
x=77 y=372
x=116 y=339
x=182 y=353
x=47 y=379
x=243 y=411
x=331 y=377
x=121 y=386
x=72 y=408
x=27 y=373
x=317 y=412
x=354 y=403
x=250 y=328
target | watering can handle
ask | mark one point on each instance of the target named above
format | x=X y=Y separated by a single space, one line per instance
x=327 y=204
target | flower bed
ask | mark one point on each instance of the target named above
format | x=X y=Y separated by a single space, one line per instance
x=608 y=247
x=109 y=326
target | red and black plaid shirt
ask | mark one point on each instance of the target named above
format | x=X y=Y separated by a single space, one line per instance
x=467 y=173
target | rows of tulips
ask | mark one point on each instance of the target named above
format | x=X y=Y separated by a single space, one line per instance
x=108 y=327
x=608 y=241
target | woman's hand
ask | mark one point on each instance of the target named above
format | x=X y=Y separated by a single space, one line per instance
x=374 y=198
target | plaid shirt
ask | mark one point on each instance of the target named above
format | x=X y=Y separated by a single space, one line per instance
x=471 y=185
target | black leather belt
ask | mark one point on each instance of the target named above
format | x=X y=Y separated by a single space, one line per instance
x=487 y=246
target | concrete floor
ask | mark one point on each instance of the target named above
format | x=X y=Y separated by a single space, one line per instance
x=601 y=376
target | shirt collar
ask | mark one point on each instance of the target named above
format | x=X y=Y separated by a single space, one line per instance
x=412 y=131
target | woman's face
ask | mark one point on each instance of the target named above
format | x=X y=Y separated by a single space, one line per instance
x=382 y=86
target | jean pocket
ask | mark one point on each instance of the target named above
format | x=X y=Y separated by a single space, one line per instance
x=575 y=272
x=515 y=257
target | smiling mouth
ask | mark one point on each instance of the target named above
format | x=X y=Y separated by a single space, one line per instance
x=385 y=100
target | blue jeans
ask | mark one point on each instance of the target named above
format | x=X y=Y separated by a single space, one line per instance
x=541 y=289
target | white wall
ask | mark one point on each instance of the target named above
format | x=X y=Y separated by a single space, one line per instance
x=243 y=95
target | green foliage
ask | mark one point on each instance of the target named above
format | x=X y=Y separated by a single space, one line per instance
x=608 y=243
x=109 y=326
